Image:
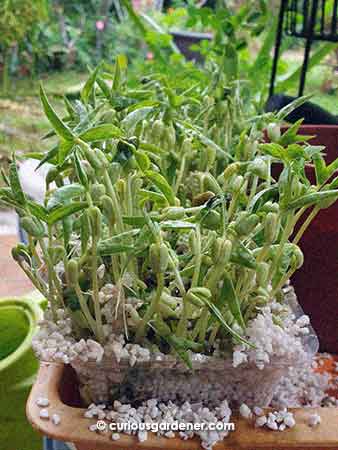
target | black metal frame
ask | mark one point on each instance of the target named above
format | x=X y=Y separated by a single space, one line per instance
x=307 y=19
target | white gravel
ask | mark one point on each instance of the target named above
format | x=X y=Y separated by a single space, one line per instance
x=303 y=387
x=276 y=421
x=245 y=411
x=261 y=421
x=258 y=411
x=42 y=401
x=44 y=414
x=56 y=419
x=273 y=341
x=152 y=411
x=313 y=420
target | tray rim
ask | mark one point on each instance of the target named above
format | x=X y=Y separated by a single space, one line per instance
x=74 y=427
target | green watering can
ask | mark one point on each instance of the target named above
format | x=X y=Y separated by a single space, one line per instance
x=18 y=366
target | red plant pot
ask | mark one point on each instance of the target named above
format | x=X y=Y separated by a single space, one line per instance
x=316 y=283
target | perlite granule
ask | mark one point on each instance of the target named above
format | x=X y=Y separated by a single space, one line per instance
x=313 y=420
x=56 y=419
x=152 y=411
x=304 y=387
x=42 y=401
x=44 y=414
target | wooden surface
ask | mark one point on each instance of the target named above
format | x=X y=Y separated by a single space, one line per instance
x=74 y=427
x=13 y=281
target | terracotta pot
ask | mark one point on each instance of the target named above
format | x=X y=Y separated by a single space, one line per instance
x=58 y=383
x=316 y=283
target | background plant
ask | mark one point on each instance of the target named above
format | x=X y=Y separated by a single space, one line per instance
x=17 y=19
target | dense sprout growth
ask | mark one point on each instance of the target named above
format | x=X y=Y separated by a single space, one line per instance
x=162 y=201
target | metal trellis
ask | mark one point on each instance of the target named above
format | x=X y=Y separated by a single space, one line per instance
x=312 y=20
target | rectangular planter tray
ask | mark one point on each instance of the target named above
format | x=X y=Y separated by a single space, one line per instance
x=58 y=384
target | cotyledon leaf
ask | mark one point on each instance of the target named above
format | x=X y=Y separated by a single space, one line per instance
x=64 y=193
x=64 y=211
x=101 y=133
x=133 y=118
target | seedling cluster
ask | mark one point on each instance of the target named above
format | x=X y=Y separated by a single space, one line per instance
x=163 y=195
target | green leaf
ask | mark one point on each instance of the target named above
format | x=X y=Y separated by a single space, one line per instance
x=143 y=103
x=114 y=249
x=204 y=139
x=88 y=88
x=65 y=193
x=264 y=195
x=142 y=160
x=70 y=108
x=151 y=148
x=177 y=225
x=152 y=196
x=287 y=109
x=84 y=231
x=117 y=75
x=132 y=119
x=331 y=168
x=181 y=352
x=59 y=126
x=320 y=169
x=229 y=296
x=4 y=176
x=311 y=199
x=230 y=62
x=101 y=133
x=80 y=172
x=290 y=136
x=243 y=256
x=175 y=343
x=33 y=155
x=38 y=210
x=6 y=196
x=15 y=183
x=121 y=238
x=273 y=149
x=295 y=152
x=216 y=313
x=104 y=87
x=333 y=184
x=49 y=156
x=162 y=184
x=135 y=221
x=48 y=135
x=65 y=211
x=64 y=150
